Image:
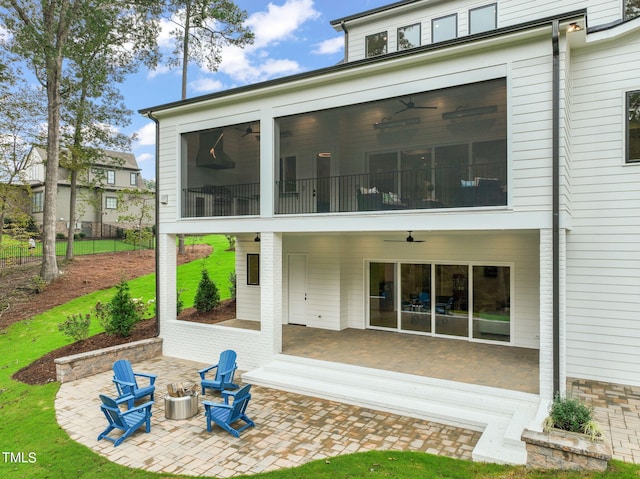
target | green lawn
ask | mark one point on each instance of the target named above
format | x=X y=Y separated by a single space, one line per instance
x=40 y=449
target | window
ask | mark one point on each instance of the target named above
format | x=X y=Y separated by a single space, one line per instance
x=111 y=203
x=631 y=9
x=133 y=179
x=376 y=44
x=288 y=183
x=409 y=37
x=444 y=28
x=633 y=126
x=482 y=19
x=37 y=202
x=253 y=269
x=111 y=177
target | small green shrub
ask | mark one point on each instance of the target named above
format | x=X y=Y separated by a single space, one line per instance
x=39 y=284
x=76 y=326
x=232 y=285
x=207 y=296
x=571 y=414
x=179 y=302
x=121 y=314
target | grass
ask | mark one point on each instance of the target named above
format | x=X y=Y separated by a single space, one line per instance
x=40 y=448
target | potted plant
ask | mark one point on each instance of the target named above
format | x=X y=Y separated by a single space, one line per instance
x=570 y=439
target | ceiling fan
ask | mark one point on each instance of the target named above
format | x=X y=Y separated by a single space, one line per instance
x=410 y=105
x=408 y=239
x=248 y=131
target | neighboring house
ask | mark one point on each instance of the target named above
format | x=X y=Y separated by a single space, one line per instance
x=503 y=134
x=98 y=205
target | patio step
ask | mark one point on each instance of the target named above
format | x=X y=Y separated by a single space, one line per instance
x=500 y=414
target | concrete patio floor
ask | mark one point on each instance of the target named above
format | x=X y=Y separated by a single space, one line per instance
x=290 y=429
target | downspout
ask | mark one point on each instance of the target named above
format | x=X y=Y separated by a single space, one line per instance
x=556 y=205
x=346 y=41
x=157 y=255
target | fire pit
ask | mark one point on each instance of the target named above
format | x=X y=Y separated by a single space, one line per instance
x=181 y=402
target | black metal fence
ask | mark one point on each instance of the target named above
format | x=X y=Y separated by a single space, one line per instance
x=19 y=255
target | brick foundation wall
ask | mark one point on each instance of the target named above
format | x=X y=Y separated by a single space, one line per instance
x=70 y=368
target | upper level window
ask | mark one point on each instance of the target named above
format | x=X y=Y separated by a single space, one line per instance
x=631 y=9
x=111 y=177
x=444 y=28
x=376 y=44
x=133 y=179
x=633 y=126
x=409 y=37
x=482 y=19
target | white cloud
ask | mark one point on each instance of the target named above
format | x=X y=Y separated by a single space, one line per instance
x=159 y=70
x=330 y=46
x=141 y=158
x=146 y=135
x=206 y=85
x=280 y=22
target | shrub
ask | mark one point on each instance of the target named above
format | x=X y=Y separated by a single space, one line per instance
x=207 y=295
x=76 y=326
x=571 y=414
x=232 y=285
x=122 y=313
x=179 y=302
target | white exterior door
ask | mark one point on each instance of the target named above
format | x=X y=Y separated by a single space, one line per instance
x=297 y=289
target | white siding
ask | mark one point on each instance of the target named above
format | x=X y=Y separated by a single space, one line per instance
x=510 y=12
x=603 y=324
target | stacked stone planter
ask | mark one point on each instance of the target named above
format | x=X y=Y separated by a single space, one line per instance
x=70 y=368
x=565 y=450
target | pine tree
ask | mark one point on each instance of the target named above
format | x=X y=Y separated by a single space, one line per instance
x=207 y=295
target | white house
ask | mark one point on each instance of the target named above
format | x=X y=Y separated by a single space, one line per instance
x=468 y=174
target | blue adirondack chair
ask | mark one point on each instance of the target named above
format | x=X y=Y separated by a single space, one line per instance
x=126 y=421
x=126 y=384
x=225 y=370
x=224 y=414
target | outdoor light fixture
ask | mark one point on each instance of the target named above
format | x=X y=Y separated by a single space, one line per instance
x=388 y=123
x=574 y=27
x=463 y=111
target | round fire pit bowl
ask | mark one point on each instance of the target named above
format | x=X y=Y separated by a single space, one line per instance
x=181 y=407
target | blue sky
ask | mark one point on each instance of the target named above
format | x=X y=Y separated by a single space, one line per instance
x=291 y=36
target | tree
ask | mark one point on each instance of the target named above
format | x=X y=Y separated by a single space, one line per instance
x=19 y=129
x=138 y=207
x=46 y=35
x=92 y=109
x=202 y=29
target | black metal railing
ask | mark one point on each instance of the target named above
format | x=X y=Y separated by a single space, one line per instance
x=471 y=186
x=441 y=187
x=227 y=200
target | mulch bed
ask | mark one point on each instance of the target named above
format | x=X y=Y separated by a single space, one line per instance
x=81 y=276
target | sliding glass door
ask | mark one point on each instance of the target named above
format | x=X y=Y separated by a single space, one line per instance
x=467 y=301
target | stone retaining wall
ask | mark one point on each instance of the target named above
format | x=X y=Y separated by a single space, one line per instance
x=564 y=450
x=70 y=368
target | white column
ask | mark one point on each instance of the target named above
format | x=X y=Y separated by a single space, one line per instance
x=271 y=291
x=166 y=300
x=546 y=314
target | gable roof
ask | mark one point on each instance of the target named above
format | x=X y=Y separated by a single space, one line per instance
x=128 y=159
